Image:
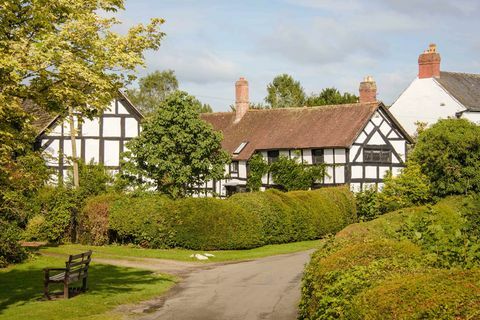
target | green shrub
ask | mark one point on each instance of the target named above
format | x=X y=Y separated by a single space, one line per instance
x=449 y=155
x=414 y=259
x=408 y=189
x=431 y=294
x=35 y=229
x=243 y=221
x=93 y=221
x=10 y=249
x=208 y=224
x=299 y=215
x=145 y=219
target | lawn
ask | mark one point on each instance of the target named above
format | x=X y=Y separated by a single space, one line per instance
x=130 y=252
x=109 y=286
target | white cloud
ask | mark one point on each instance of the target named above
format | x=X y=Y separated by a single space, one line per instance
x=202 y=66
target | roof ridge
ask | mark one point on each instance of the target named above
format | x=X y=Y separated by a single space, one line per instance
x=330 y=106
x=462 y=73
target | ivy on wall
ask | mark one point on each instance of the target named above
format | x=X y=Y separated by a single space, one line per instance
x=290 y=174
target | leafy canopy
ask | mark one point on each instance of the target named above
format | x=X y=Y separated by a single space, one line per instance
x=176 y=150
x=153 y=89
x=330 y=96
x=285 y=92
x=64 y=53
x=449 y=155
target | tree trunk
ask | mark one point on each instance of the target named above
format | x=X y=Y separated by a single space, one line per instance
x=73 y=132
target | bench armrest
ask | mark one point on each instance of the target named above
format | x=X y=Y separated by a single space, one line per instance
x=46 y=271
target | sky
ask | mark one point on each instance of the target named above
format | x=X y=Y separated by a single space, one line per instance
x=321 y=43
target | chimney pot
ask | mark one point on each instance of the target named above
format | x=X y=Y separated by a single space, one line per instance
x=429 y=63
x=368 y=90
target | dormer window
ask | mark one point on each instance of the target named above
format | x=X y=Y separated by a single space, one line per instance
x=240 y=147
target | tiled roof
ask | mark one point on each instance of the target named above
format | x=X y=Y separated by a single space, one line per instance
x=464 y=87
x=41 y=118
x=292 y=128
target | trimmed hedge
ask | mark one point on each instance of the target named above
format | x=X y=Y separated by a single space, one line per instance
x=243 y=221
x=423 y=262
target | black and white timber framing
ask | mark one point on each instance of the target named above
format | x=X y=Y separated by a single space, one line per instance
x=381 y=146
x=101 y=140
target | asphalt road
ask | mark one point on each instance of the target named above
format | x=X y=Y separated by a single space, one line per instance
x=267 y=288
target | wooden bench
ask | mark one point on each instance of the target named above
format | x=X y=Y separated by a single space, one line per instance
x=76 y=269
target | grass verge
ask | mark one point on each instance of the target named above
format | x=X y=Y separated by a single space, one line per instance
x=130 y=252
x=109 y=286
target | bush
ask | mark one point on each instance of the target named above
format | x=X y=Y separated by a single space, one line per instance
x=449 y=155
x=422 y=261
x=146 y=219
x=10 y=249
x=209 y=224
x=408 y=189
x=93 y=224
x=35 y=229
x=243 y=221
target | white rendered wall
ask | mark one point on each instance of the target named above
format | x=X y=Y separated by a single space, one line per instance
x=426 y=101
x=472 y=116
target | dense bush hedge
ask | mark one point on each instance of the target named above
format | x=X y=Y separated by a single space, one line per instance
x=423 y=262
x=10 y=249
x=243 y=221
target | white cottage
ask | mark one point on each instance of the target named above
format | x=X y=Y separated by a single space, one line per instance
x=437 y=94
x=359 y=142
x=102 y=139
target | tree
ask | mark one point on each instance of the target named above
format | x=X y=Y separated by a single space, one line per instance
x=176 y=150
x=449 y=155
x=285 y=92
x=64 y=56
x=153 y=89
x=330 y=96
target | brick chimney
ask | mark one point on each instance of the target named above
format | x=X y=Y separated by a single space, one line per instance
x=241 y=99
x=368 y=90
x=429 y=63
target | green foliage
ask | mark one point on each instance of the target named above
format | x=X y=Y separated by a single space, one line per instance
x=330 y=96
x=93 y=223
x=153 y=89
x=22 y=171
x=145 y=219
x=411 y=187
x=449 y=155
x=285 y=92
x=10 y=249
x=288 y=174
x=55 y=210
x=243 y=221
x=415 y=259
x=175 y=149
x=292 y=175
x=209 y=223
x=299 y=215
x=257 y=169
x=448 y=233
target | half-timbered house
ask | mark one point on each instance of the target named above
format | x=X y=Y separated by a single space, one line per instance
x=101 y=140
x=358 y=142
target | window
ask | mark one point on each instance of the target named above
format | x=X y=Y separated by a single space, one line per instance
x=272 y=156
x=240 y=147
x=234 y=167
x=317 y=156
x=379 y=154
